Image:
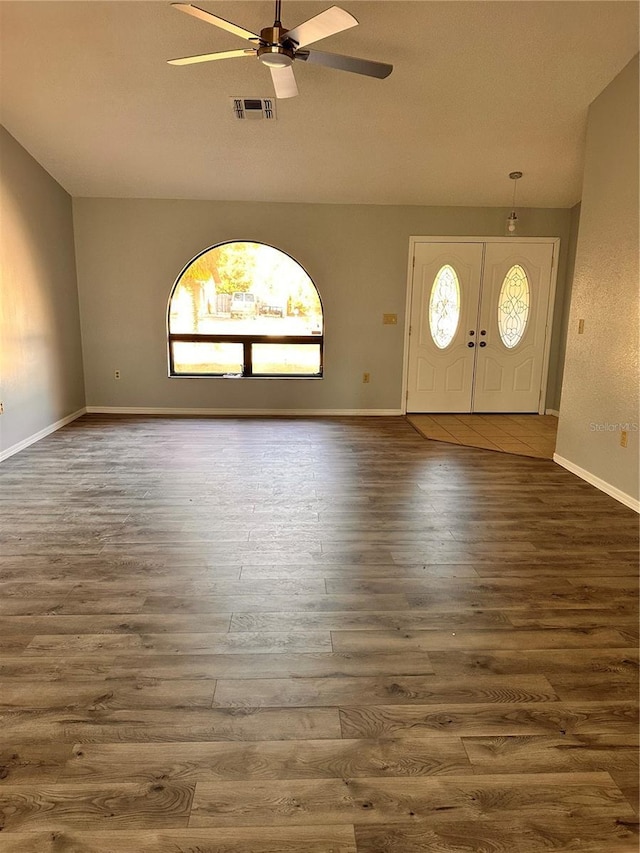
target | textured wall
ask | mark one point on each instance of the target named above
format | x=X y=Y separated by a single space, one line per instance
x=600 y=387
x=129 y=253
x=41 y=377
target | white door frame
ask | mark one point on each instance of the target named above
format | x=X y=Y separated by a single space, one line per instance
x=554 y=241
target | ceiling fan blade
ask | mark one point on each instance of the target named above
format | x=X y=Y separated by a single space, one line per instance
x=284 y=81
x=327 y=23
x=346 y=63
x=208 y=57
x=208 y=18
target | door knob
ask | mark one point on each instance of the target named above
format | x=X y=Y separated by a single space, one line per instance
x=471 y=344
x=483 y=331
x=472 y=331
x=483 y=343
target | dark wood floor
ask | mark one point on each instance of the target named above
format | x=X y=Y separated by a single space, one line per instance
x=311 y=636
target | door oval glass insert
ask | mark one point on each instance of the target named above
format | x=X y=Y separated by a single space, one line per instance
x=513 y=306
x=444 y=306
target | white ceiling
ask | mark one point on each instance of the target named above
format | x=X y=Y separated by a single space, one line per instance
x=478 y=89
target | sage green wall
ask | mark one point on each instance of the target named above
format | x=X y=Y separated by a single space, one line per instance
x=41 y=377
x=129 y=253
x=601 y=371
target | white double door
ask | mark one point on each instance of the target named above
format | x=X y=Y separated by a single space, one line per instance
x=478 y=326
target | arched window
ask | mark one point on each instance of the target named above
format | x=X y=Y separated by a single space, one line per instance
x=243 y=309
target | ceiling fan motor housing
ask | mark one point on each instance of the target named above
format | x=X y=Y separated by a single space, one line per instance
x=271 y=50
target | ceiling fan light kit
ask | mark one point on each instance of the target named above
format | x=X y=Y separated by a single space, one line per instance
x=278 y=48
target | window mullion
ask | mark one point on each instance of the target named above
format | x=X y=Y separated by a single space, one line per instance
x=248 y=359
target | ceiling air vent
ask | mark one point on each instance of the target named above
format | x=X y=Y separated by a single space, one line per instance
x=254 y=108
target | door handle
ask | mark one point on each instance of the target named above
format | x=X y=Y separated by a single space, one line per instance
x=471 y=344
x=483 y=343
x=472 y=331
x=483 y=331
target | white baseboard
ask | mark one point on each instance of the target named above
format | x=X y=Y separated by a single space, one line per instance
x=16 y=448
x=602 y=485
x=243 y=413
x=553 y=412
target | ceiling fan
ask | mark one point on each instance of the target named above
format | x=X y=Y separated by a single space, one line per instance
x=277 y=48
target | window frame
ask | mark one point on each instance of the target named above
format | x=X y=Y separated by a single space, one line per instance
x=247 y=340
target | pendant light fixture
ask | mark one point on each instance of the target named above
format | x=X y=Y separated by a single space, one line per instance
x=512 y=220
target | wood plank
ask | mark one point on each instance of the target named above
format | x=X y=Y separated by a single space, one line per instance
x=357 y=572
x=68 y=603
x=419 y=690
x=11 y=644
x=397 y=620
x=124 y=623
x=115 y=694
x=443 y=587
x=212 y=587
x=602 y=581
x=509 y=600
x=203 y=666
x=624 y=617
x=565 y=662
x=526 y=834
x=593 y=686
x=31 y=606
x=263 y=839
x=41 y=762
x=261 y=603
x=386 y=801
x=254 y=642
x=177 y=725
x=309 y=759
x=197 y=581
x=487 y=719
x=86 y=806
x=433 y=640
x=568 y=570
x=629 y=784
x=553 y=753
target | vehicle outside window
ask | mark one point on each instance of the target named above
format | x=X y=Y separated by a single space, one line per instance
x=272 y=310
x=243 y=305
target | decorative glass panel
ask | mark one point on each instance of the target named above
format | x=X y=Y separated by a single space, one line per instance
x=513 y=306
x=444 y=306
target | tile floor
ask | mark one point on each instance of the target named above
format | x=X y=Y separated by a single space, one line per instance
x=525 y=435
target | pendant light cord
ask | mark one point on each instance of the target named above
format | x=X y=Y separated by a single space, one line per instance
x=515 y=177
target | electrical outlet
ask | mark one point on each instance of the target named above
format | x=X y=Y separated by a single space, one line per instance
x=116 y=374
x=581 y=327
x=366 y=377
x=1 y=408
x=624 y=437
